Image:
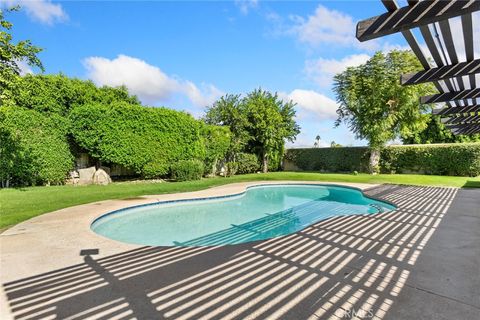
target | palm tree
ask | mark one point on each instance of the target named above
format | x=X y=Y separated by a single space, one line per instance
x=317 y=142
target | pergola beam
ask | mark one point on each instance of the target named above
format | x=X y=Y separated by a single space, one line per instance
x=465 y=128
x=421 y=14
x=441 y=73
x=392 y=6
x=451 y=96
x=449 y=74
x=469 y=119
x=457 y=110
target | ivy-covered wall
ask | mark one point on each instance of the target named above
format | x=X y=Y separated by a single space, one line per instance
x=33 y=148
x=459 y=159
x=147 y=140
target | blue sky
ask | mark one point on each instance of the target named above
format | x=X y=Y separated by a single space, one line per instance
x=184 y=55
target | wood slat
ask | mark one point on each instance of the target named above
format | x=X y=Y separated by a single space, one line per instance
x=464 y=129
x=457 y=110
x=451 y=96
x=391 y=5
x=441 y=73
x=468 y=119
x=467 y=29
x=437 y=58
x=421 y=14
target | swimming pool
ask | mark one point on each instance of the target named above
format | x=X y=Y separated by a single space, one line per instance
x=261 y=212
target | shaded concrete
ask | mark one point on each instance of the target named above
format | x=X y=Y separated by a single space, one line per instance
x=447 y=274
x=418 y=262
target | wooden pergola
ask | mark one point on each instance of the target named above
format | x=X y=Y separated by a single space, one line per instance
x=450 y=67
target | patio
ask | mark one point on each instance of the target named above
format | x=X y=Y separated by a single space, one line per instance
x=406 y=264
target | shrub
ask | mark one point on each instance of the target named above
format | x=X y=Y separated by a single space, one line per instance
x=458 y=159
x=247 y=163
x=232 y=168
x=185 y=170
x=147 y=140
x=33 y=148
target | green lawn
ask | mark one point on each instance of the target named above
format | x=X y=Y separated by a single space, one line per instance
x=17 y=205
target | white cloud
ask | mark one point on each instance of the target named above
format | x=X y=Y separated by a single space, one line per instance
x=311 y=103
x=146 y=81
x=324 y=28
x=246 y=5
x=327 y=27
x=43 y=11
x=321 y=71
x=206 y=96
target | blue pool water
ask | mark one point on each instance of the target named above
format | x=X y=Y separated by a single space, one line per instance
x=262 y=212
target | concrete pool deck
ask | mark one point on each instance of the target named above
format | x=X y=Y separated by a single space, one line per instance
x=421 y=261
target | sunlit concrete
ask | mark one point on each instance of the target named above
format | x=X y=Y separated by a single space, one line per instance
x=418 y=262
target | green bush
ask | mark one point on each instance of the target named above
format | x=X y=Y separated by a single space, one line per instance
x=145 y=139
x=231 y=168
x=459 y=159
x=33 y=148
x=186 y=170
x=247 y=163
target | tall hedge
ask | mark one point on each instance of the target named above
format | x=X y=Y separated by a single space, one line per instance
x=33 y=148
x=458 y=159
x=345 y=159
x=58 y=93
x=148 y=140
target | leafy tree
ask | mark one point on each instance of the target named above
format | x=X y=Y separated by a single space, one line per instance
x=229 y=111
x=374 y=104
x=436 y=132
x=260 y=123
x=333 y=144
x=11 y=54
x=271 y=122
x=316 y=144
x=216 y=139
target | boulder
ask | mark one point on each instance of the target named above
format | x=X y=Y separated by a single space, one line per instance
x=73 y=177
x=86 y=175
x=101 y=177
x=106 y=169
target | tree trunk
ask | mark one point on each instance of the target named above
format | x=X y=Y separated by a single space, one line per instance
x=374 y=164
x=213 y=171
x=265 y=163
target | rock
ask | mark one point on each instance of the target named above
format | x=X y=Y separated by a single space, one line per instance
x=73 y=177
x=86 y=175
x=101 y=177
x=106 y=169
